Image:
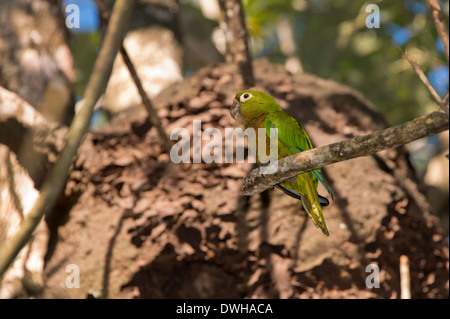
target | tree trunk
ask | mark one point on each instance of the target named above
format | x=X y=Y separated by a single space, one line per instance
x=35 y=60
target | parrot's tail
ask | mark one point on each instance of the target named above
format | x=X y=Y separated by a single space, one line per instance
x=312 y=206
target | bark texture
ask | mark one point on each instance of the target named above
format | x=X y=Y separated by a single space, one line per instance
x=237 y=50
x=35 y=60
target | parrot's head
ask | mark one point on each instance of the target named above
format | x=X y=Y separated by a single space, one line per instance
x=252 y=103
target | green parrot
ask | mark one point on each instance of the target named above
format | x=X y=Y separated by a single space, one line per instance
x=257 y=109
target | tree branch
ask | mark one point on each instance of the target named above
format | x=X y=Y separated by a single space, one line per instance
x=440 y=23
x=55 y=180
x=405 y=279
x=153 y=115
x=423 y=78
x=238 y=52
x=396 y=136
x=18 y=118
x=154 y=119
x=35 y=140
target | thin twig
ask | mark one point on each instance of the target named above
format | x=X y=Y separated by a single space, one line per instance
x=153 y=115
x=56 y=178
x=396 y=136
x=154 y=119
x=440 y=23
x=405 y=285
x=423 y=78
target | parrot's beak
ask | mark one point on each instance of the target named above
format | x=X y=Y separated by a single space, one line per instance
x=234 y=109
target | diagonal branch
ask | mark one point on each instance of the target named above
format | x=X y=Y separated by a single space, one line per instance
x=440 y=23
x=416 y=67
x=55 y=180
x=154 y=119
x=153 y=115
x=359 y=146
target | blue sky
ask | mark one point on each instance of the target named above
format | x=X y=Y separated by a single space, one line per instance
x=400 y=36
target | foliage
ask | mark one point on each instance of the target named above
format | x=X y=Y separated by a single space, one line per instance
x=84 y=47
x=333 y=42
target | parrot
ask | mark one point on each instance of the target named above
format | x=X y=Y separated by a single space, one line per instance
x=258 y=110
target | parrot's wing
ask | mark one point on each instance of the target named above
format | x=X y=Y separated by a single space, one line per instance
x=291 y=134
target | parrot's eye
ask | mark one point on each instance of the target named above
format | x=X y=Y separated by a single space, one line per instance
x=245 y=97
